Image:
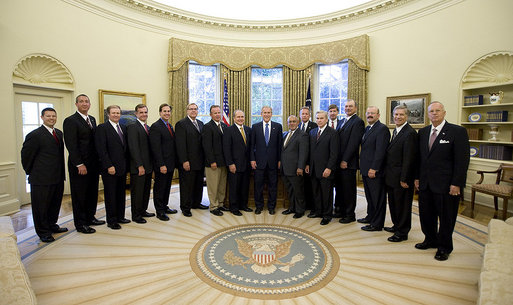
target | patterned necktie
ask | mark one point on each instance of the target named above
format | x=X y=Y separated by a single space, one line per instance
x=55 y=137
x=318 y=134
x=266 y=134
x=344 y=120
x=287 y=138
x=221 y=127
x=394 y=134
x=432 y=138
x=196 y=125
x=333 y=124
x=146 y=128
x=366 y=131
x=304 y=127
x=120 y=133
x=243 y=135
x=170 y=130
x=89 y=123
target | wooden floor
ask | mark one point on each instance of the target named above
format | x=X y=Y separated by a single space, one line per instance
x=149 y=264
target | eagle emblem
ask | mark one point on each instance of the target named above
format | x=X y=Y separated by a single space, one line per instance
x=263 y=252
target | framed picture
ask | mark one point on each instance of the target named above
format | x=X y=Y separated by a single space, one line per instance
x=417 y=105
x=126 y=100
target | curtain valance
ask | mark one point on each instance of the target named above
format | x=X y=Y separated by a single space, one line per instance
x=296 y=58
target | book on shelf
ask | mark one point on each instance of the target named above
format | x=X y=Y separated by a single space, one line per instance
x=496 y=152
x=497 y=116
x=472 y=100
x=476 y=133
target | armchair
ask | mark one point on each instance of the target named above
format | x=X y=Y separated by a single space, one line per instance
x=505 y=191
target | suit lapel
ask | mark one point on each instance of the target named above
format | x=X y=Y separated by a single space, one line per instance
x=438 y=137
x=114 y=132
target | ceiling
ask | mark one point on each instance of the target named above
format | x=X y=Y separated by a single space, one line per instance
x=263 y=10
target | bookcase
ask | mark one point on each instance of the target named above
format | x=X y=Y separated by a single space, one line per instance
x=490 y=126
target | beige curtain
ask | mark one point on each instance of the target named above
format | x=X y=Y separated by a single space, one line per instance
x=179 y=92
x=357 y=87
x=295 y=86
x=239 y=91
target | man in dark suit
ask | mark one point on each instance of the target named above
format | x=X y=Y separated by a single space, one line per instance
x=163 y=150
x=305 y=126
x=334 y=122
x=266 y=139
x=323 y=161
x=42 y=158
x=372 y=164
x=294 y=155
x=191 y=161
x=350 y=136
x=111 y=145
x=236 y=146
x=79 y=130
x=215 y=166
x=140 y=164
x=399 y=174
x=444 y=158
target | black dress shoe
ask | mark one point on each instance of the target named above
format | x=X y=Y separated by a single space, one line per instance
x=59 y=230
x=313 y=215
x=96 y=222
x=325 y=221
x=47 y=239
x=187 y=213
x=272 y=212
x=201 y=207
x=85 y=229
x=287 y=212
x=298 y=215
x=171 y=211
x=370 y=228
x=124 y=220
x=237 y=213
x=146 y=214
x=363 y=220
x=389 y=229
x=395 y=239
x=425 y=245
x=258 y=211
x=216 y=212
x=441 y=255
x=246 y=209
x=163 y=217
x=139 y=220
x=114 y=226
x=346 y=220
x=222 y=208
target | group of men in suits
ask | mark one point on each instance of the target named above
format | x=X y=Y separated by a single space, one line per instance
x=313 y=158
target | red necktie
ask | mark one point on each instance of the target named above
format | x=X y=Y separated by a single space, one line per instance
x=170 y=130
x=333 y=124
x=146 y=128
x=55 y=137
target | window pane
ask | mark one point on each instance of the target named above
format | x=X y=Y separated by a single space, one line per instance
x=29 y=112
x=333 y=86
x=266 y=90
x=203 y=89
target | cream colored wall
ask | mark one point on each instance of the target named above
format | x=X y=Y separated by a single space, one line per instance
x=427 y=54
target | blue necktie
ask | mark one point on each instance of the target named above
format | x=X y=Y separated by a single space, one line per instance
x=266 y=134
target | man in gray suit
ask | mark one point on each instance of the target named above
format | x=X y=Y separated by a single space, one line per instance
x=294 y=155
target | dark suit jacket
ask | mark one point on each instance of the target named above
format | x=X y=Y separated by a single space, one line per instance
x=266 y=155
x=324 y=152
x=111 y=151
x=79 y=139
x=235 y=151
x=374 y=148
x=188 y=144
x=213 y=143
x=162 y=145
x=350 y=136
x=42 y=158
x=139 y=148
x=401 y=158
x=295 y=154
x=311 y=125
x=447 y=162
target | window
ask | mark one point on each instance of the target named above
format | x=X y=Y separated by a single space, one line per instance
x=266 y=90
x=203 y=89
x=333 y=86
